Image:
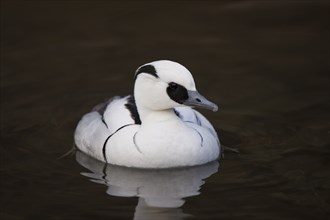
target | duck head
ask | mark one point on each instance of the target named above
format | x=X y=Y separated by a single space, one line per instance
x=164 y=84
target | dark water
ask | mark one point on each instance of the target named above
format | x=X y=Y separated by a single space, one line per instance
x=265 y=62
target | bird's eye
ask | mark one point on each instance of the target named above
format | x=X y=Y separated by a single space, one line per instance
x=173 y=85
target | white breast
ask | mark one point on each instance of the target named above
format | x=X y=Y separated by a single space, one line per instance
x=161 y=145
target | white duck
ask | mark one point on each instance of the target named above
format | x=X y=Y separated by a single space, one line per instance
x=155 y=128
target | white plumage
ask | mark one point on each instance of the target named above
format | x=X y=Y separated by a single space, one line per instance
x=155 y=128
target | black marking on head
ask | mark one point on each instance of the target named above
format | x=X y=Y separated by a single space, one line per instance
x=131 y=106
x=106 y=141
x=177 y=92
x=149 y=69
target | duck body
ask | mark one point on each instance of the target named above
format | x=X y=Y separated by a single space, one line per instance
x=153 y=128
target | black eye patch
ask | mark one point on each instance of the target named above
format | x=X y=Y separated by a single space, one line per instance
x=177 y=92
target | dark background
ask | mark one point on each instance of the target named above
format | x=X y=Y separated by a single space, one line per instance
x=266 y=63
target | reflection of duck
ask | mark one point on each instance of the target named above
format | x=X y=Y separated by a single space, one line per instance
x=160 y=192
x=155 y=128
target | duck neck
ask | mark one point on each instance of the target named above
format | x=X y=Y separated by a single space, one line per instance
x=149 y=116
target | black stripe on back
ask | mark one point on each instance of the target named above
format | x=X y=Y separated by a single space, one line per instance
x=101 y=108
x=131 y=106
x=106 y=141
x=177 y=113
